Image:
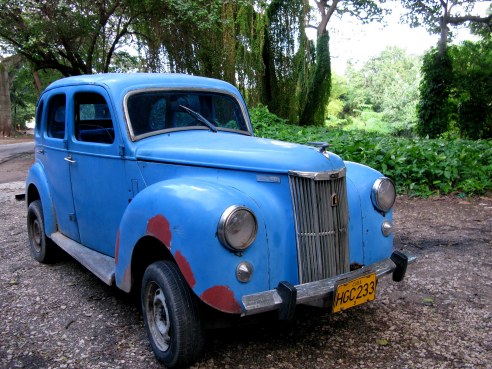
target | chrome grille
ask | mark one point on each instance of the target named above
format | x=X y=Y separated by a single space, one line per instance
x=321 y=220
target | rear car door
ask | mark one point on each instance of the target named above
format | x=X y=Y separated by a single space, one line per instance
x=54 y=155
x=97 y=168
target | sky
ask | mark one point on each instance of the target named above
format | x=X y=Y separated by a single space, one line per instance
x=350 y=39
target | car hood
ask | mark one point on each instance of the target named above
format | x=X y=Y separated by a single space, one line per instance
x=234 y=151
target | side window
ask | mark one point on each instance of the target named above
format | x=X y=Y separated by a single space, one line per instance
x=55 y=126
x=93 y=121
x=39 y=116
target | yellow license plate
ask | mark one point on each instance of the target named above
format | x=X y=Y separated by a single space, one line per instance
x=355 y=292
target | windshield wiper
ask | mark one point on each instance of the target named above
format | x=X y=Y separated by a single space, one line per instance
x=199 y=118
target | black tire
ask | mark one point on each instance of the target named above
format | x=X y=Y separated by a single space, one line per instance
x=42 y=248
x=171 y=315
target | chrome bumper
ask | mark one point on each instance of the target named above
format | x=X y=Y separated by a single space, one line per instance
x=285 y=297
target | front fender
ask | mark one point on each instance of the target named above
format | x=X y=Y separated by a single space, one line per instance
x=36 y=178
x=367 y=243
x=183 y=215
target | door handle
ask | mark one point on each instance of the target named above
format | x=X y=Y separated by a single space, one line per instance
x=40 y=151
x=69 y=159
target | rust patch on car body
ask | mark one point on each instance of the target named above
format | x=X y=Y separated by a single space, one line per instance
x=159 y=227
x=127 y=279
x=222 y=298
x=185 y=268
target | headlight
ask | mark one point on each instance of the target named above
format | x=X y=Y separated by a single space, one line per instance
x=383 y=194
x=237 y=228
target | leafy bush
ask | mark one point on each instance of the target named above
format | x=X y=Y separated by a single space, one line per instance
x=419 y=166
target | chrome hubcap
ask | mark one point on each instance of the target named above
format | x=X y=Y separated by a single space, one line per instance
x=158 y=317
x=36 y=235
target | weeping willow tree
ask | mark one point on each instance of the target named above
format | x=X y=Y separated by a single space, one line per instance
x=260 y=46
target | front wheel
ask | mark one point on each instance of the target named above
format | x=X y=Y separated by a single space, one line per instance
x=171 y=315
x=42 y=248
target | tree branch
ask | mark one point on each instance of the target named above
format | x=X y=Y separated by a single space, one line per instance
x=470 y=18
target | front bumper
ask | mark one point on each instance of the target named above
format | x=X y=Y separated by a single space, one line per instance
x=285 y=297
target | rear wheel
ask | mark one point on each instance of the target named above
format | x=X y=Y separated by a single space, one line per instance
x=171 y=315
x=42 y=248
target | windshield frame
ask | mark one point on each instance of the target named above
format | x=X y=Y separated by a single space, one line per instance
x=234 y=97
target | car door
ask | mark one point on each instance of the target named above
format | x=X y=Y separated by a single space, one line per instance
x=96 y=168
x=53 y=154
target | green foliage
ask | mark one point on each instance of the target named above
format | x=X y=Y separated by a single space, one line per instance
x=264 y=121
x=73 y=37
x=434 y=108
x=317 y=88
x=419 y=166
x=23 y=96
x=379 y=96
x=472 y=89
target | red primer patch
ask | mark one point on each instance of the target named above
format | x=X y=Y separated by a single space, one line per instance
x=222 y=298
x=117 y=247
x=185 y=268
x=127 y=279
x=159 y=227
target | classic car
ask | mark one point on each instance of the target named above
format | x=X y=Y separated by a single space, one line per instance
x=157 y=184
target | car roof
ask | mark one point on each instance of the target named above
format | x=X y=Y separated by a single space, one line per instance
x=119 y=84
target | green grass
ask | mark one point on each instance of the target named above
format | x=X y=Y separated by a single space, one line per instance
x=421 y=167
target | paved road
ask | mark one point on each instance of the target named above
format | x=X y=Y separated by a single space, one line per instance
x=11 y=151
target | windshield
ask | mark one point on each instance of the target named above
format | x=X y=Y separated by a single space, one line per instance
x=150 y=112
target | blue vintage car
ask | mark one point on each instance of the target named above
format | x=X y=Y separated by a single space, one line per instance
x=156 y=184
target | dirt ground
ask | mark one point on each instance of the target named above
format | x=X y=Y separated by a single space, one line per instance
x=440 y=316
x=16 y=168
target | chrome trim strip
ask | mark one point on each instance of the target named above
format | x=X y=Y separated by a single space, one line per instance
x=318 y=290
x=320 y=176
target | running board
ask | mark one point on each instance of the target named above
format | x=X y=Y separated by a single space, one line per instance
x=101 y=265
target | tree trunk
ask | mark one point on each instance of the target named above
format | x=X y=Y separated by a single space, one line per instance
x=37 y=82
x=443 y=40
x=5 y=122
x=318 y=90
x=229 y=42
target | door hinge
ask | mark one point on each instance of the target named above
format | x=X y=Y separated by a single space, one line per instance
x=122 y=150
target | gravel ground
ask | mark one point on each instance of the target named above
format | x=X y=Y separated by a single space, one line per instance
x=60 y=316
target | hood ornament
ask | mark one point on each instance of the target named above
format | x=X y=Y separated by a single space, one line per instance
x=322 y=147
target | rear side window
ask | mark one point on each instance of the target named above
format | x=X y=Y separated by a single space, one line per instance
x=55 y=126
x=39 y=116
x=93 y=122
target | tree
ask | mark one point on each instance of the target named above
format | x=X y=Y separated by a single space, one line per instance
x=71 y=36
x=388 y=84
x=434 y=107
x=437 y=15
x=472 y=88
x=308 y=71
x=5 y=122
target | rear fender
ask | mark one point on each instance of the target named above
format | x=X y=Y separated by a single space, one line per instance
x=36 y=178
